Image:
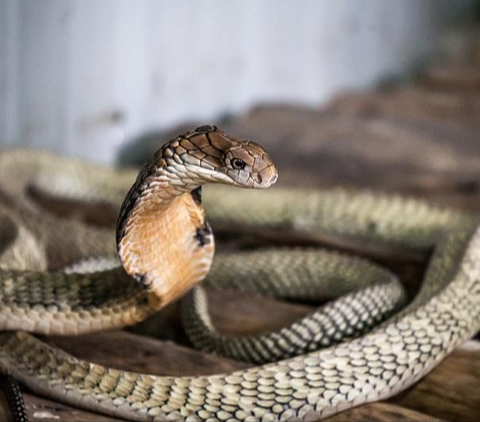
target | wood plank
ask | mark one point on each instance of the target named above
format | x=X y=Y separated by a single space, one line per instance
x=43 y=410
x=452 y=77
x=129 y=351
x=451 y=390
x=371 y=152
x=381 y=412
x=4 y=413
x=413 y=102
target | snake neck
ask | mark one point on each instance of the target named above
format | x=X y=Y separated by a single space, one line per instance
x=163 y=239
x=166 y=243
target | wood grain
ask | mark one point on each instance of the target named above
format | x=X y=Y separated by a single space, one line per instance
x=381 y=412
x=133 y=352
x=451 y=390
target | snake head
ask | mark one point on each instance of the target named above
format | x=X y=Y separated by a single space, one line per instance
x=248 y=165
x=212 y=156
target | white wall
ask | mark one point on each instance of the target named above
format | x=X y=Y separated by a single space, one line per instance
x=79 y=77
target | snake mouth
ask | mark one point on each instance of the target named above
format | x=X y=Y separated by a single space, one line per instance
x=266 y=178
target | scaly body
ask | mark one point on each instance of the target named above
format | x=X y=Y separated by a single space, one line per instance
x=374 y=366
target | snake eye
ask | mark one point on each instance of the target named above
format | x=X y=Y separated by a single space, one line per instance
x=238 y=164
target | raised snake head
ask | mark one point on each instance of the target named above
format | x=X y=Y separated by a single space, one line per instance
x=209 y=155
x=163 y=238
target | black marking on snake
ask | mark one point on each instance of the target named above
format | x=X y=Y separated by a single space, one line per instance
x=132 y=198
x=197 y=195
x=140 y=279
x=143 y=301
x=203 y=234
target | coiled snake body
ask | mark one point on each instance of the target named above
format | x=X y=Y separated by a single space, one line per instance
x=166 y=247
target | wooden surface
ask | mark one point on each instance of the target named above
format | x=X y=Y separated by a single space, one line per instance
x=421 y=139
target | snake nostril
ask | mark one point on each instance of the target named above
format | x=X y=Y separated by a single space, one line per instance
x=258 y=178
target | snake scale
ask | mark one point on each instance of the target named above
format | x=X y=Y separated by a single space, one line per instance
x=329 y=361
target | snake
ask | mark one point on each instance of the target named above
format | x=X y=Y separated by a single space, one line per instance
x=367 y=345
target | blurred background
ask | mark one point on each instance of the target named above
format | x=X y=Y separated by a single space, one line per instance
x=370 y=94
x=343 y=84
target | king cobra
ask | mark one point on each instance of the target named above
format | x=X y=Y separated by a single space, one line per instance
x=365 y=346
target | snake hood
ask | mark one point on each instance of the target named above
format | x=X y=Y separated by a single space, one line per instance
x=163 y=238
